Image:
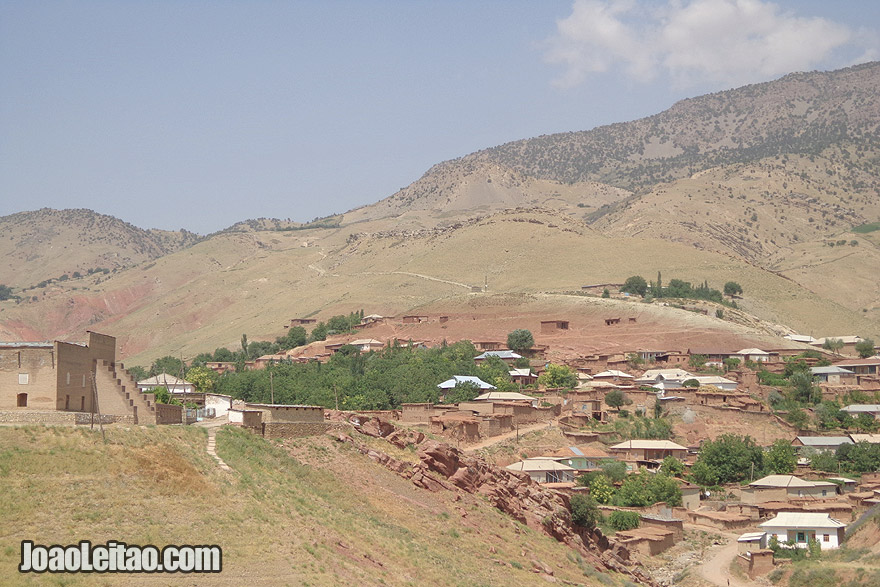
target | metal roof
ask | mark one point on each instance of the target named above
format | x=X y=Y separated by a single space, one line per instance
x=830 y=370
x=456 y=379
x=539 y=464
x=751 y=536
x=802 y=520
x=499 y=354
x=861 y=408
x=786 y=481
x=163 y=379
x=612 y=373
x=505 y=396
x=648 y=444
x=824 y=440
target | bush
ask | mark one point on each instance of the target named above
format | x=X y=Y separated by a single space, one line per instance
x=585 y=512
x=635 y=285
x=624 y=520
x=520 y=340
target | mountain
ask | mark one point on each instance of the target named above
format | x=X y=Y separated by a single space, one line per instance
x=774 y=186
x=47 y=244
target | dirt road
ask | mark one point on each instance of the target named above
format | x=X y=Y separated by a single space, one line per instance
x=716 y=569
x=505 y=436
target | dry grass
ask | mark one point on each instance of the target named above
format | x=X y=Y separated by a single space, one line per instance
x=329 y=517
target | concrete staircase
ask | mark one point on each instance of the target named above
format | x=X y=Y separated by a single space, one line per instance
x=118 y=391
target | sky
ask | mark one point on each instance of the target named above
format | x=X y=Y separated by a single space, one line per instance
x=199 y=114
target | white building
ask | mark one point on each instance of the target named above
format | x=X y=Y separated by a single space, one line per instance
x=169 y=382
x=800 y=527
x=544 y=470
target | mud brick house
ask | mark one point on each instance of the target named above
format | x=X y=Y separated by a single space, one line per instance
x=786 y=487
x=581 y=458
x=551 y=326
x=648 y=453
x=820 y=443
x=57 y=377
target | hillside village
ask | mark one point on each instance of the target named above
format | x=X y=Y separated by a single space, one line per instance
x=635 y=430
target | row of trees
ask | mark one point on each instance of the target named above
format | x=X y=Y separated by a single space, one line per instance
x=677 y=288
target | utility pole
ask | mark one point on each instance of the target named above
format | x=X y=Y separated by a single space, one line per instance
x=96 y=408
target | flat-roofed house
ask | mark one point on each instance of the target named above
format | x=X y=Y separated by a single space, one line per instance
x=799 y=527
x=664 y=378
x=544 y=470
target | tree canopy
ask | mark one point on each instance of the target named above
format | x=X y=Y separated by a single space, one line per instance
x=635 y=285
x=520 y=340
x=865 y=348
x=558 y=376
x=727 y=459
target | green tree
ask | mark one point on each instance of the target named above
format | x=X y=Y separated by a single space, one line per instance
x=823 y=461
x=464 y=391
x=798 y=418
x=585 y=512
x=223 y=355
x=614 y=470
x=865 y=348
x=672 y=466
x=635 y=285
x=697 y=361
x=558 y=376
x=520 y=340
x=732 y=288
x=138 y=373
x=295 y=337
x=729 y=458
x=319 y=332
x=161 y=394
x=202 y=378
x=804 y=388
x=606 y=293
x=731 y=363
x=833 y=344
x=601 y=489
x=780 y=458
x=623 y=520
x=5 y=292
x=615 y=398
x=167 y=364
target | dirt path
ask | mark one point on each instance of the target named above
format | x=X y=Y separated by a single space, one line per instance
x=716 y=569
x=428 y=277
x=505 y=436
x=211 y=426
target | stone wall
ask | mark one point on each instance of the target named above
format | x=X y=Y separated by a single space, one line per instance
x=25 y=416
x=416 y=413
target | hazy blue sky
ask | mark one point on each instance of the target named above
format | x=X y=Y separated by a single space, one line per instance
x=197 y=114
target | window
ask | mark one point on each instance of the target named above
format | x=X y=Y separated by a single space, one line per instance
x=23 y=378
x=824 y=492
x=68 y=378
x=21 y=400
x=66 y=402
x=801 y=537
x=826 y=538
x=84 y=380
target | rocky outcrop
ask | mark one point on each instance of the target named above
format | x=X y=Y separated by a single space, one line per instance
x=444 y=468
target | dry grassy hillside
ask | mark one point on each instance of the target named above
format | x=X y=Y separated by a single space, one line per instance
x=328 y=516
x=46 y=244
x=206 y=296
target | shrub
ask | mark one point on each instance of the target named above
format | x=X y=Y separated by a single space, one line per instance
x=585 y=512
x=624 y=520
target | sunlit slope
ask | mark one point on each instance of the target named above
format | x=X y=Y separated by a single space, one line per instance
x=210 y=294
x=337 y=518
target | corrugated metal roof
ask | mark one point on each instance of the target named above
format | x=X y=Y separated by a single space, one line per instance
x=499 y=354
x=504 y=396
x=539 y=464
x=830 y=370
x=648 y=444
x=802 y=520
x=456 y=379
x=751 y=536
x=786 y=481
x=824 y=440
